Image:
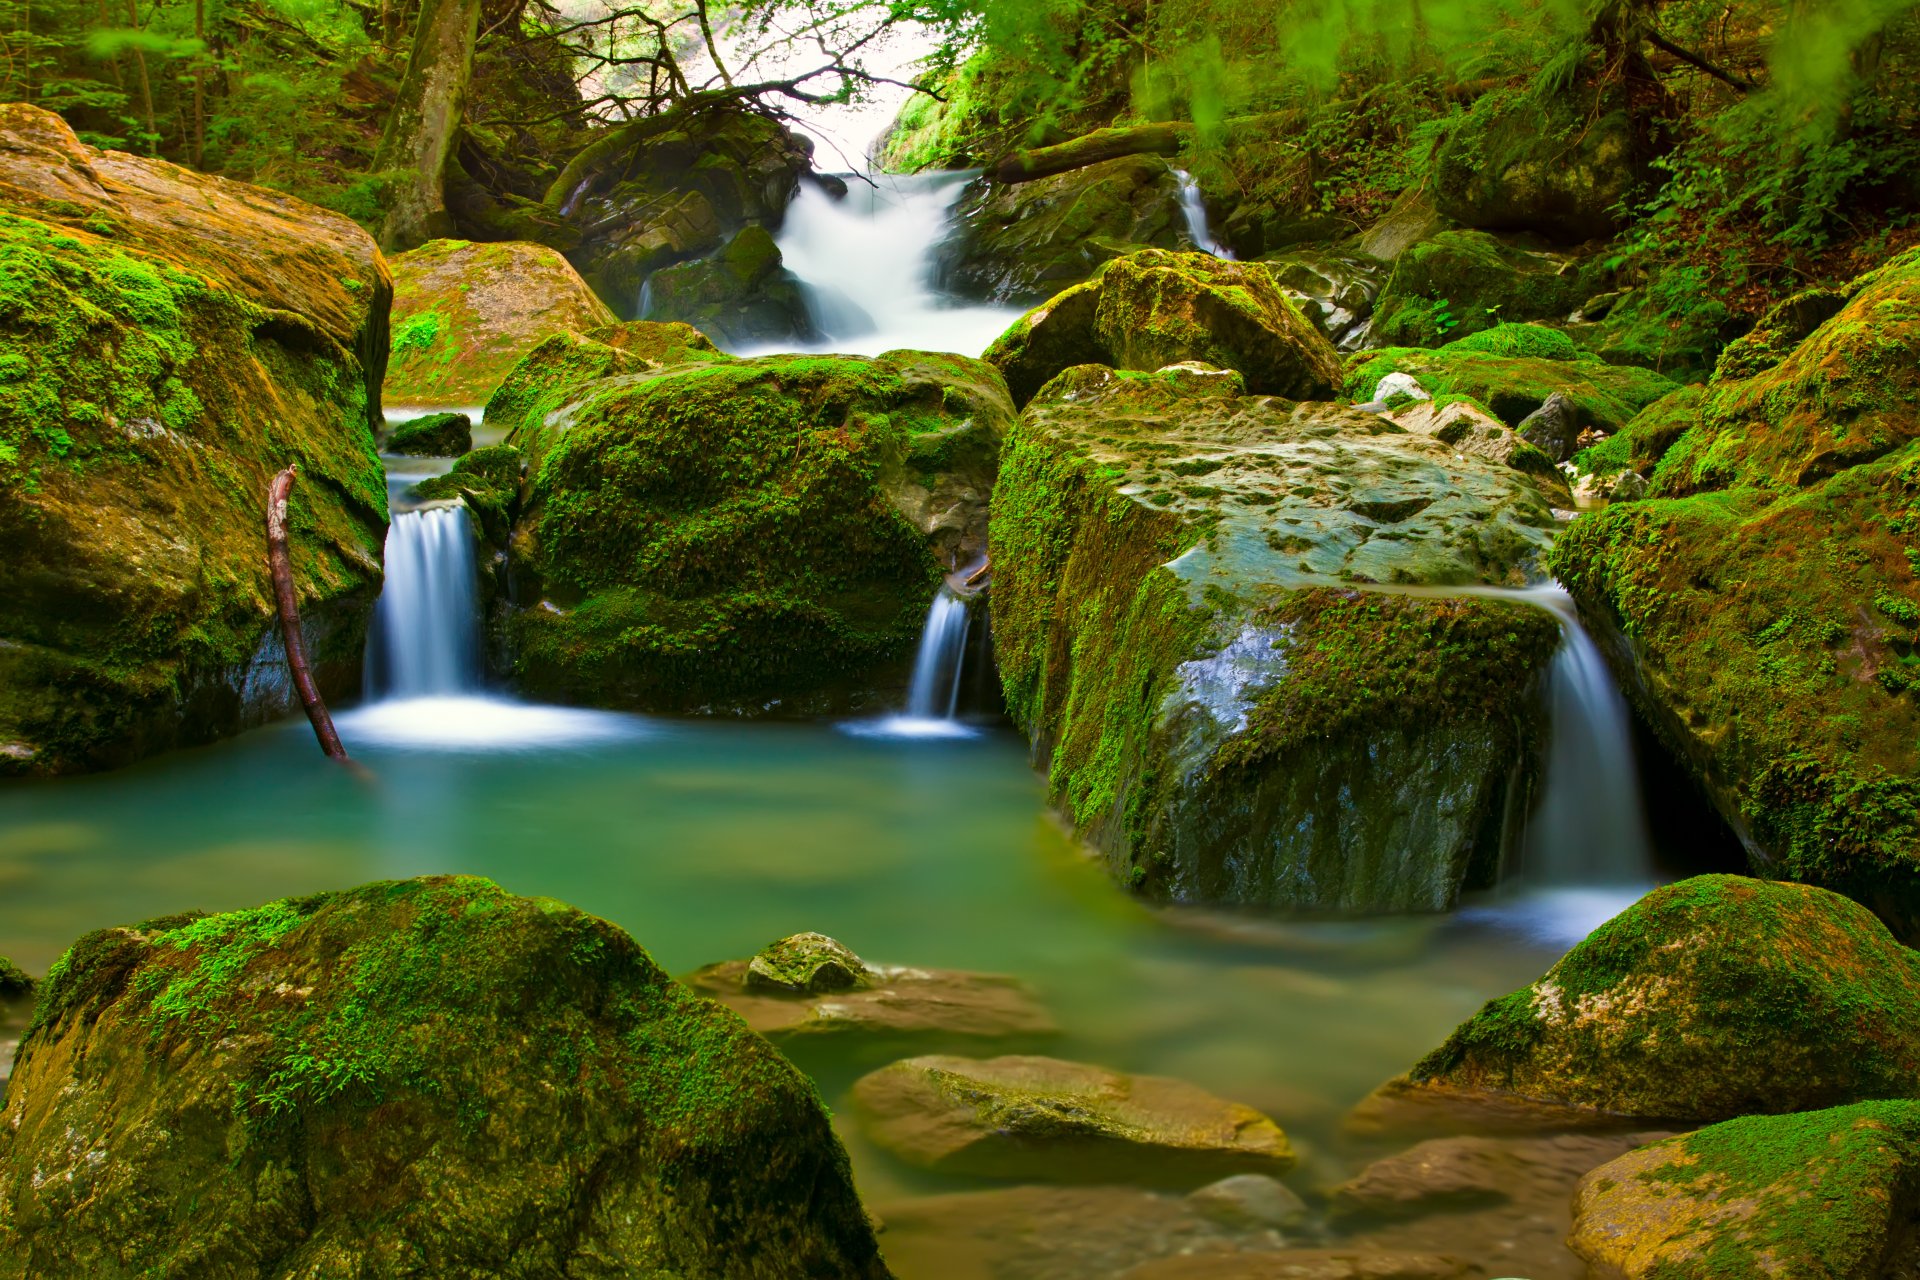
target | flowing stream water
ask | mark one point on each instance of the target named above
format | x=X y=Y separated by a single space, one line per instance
x=1194 y=206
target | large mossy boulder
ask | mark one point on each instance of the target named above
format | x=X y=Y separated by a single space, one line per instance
x=1712 y=998
x=423 y=1077
x=464 y=314
x=1562 y=165
x=1024 y=242
x=675 y=188
x=1825 y=1195
x=171 y=341
x=1763 y=604
x=1185 y=633
x=1152 y=309
x=1460 y=283
x=741 y=295
x=737 y=533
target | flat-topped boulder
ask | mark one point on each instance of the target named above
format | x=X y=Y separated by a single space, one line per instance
x=1224 y=622
x=1715 y=997
x=810 y=989
x=173 y=341
x=429 y=1076
x=432 y=435
x=464 y=314
x=1821 y=1195
x=720 y=534
x=1154 y=308
x=1057 y=1121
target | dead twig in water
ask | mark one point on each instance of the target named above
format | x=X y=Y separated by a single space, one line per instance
x=280 y=562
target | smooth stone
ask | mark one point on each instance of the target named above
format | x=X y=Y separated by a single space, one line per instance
x=1251 y=1201
x=1447 y=1175
x=1305 y=1264
x=1032 y=1117
x=941 y=1006
x=807 y=964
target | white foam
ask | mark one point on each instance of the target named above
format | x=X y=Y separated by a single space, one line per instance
x=481 y=724
x=1555 y=917
x=909 y=727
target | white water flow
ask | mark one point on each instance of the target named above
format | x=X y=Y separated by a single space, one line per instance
x=933 y=696
x=1195 y=208
x=868 y=260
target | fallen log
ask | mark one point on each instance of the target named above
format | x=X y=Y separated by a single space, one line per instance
x=1102 y=144
x=280 y=563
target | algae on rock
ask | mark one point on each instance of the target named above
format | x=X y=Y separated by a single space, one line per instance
x=173 y=341
x=415 y=1077
x=1188 y=633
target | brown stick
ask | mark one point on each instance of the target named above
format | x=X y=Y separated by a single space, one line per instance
x=280 y=561
x=974 y=578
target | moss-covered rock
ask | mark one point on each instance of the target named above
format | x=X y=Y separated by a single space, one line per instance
x=464 y=314
x=1512 y=371
x=1153 y=309
x=487 y=481
x=433 y=435
x=741 y=294
x=1639 y=446
x=414 y=1077
x=1023 y=242
x=1763 y=604
x=1056 y=1121
x=1335 y=288
x=1562 y=165
x=1715 y=997
x=1183 y=633
x=807 y=963
x=171 y=341
x=1460 y=283
x=1824 y=1195
x=14 y=982
x=729 y=533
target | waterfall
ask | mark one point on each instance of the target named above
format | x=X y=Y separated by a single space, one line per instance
x=1590 y=827
x=866 y=260
x=425 y=628
x=1195 y=207
x=935 y=691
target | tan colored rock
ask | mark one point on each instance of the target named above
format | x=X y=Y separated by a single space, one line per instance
x=1305 y=1264
x=1031 y=1117
x=1473 y=434
x=464 y=314
x=1443 y=1175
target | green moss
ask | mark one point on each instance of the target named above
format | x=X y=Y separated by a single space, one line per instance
x=417 y=334
x=1643 y=442
x=1511 y=386
x=1460 y=284
x=14 y=982
x=1523 y=341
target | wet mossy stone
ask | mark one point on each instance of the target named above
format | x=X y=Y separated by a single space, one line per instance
x=14 y=982
x=1055 y=1121
x=807 y=964
x=1821 y=1195
x=1513 y=371
x=172 y=341
x=742 y=294
x=416 y=1077
x=1024 y=242
x=464 y=314
x=1152 y=309
x=433 y=435
x=1462 y=283
x=1715 y=997
x=741 y=534
x=486 y=480
x=1185 y=634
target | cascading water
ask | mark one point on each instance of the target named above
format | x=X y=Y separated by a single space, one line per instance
x=1195 y=207
x=933 y=696
x=867 y=261
x=425 y=628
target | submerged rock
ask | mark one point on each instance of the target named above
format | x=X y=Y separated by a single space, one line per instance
x=1762 y=602
x=718 y=533
x=1153 y=309
x=1823 y=1195
x=1360 y=1263
x=464 y=314
x=1025 y=1117
x=173 y=341
x=1715 y=997
x=430 y=1076
x=1225 y=710
x=436 y=435
x=1461 y=1174
x=1254 y=1201
x=1023 y=242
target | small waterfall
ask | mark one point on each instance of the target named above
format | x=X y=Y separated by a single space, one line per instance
x=935 y=691
x=1590 y=827
x=426 y=626
x=1195 y=207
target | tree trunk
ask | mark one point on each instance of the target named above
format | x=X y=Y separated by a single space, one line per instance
x=280 y=563
x=146 y=85
x=424 y=129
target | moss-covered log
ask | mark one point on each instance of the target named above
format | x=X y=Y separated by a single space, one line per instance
x=1093 y=148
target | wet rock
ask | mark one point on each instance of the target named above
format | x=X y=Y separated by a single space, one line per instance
x=487 y=482
x=1459 y=283
x=1760 y=602
x=1305 y=1264
x=1028 y=1117
x=432 y=1070
x=741 y=295
x=14 y=982
x=1621 y=486
x=1216 y=548
x=1251 y=1201
x=173 y=341
x=1824 y=1195
x=464 y=314
x=1469 y=432
x=1715 y=997
x=718 y=534
x=434 y=435
x=1448 y=1175
x=1554 y=428
x=1024 y=242
x=807 y=964
x=16 y=1006
x=1336 y=290
x=1153 y=309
